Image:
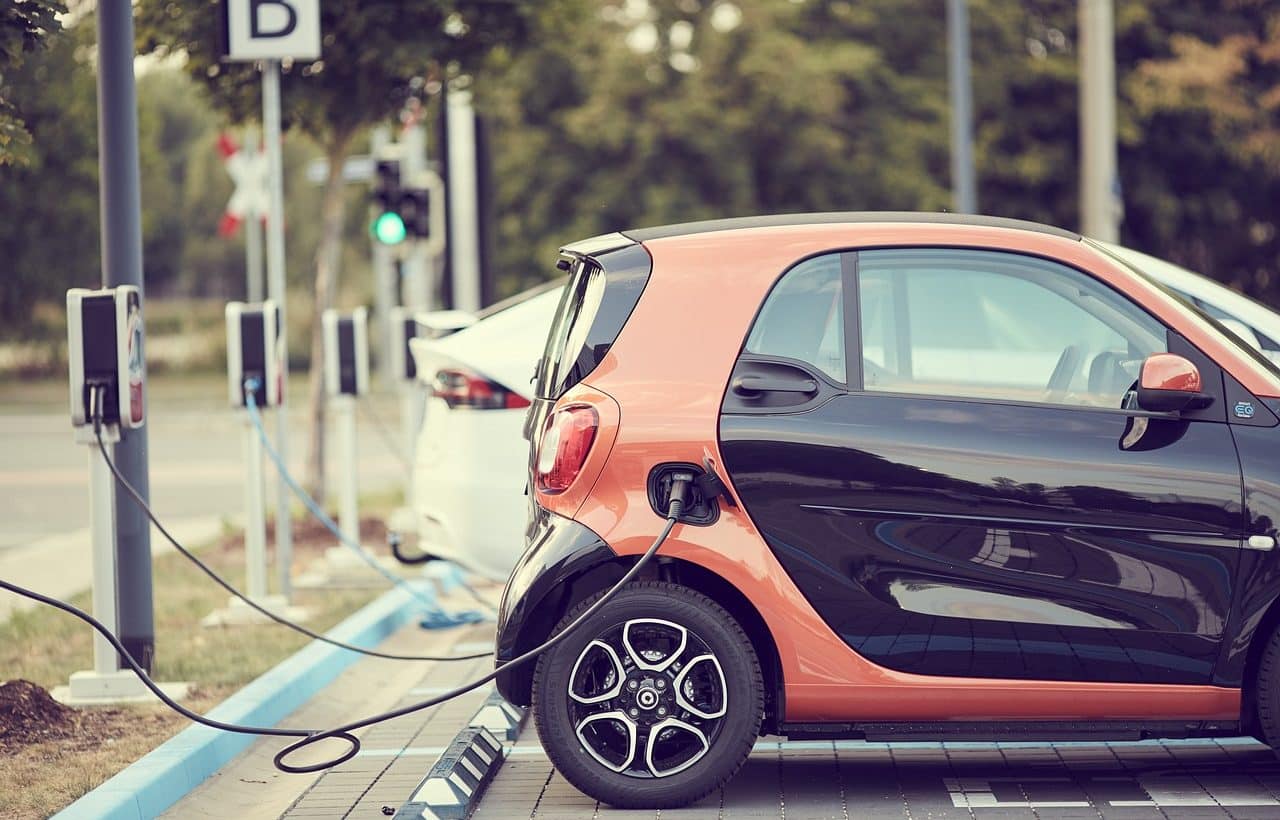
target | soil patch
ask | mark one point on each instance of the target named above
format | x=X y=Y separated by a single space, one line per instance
x=28 y=714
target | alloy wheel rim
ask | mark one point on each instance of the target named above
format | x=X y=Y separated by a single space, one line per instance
x=647 y=698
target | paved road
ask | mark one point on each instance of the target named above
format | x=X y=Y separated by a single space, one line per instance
x=195 y=456
x=1234 y=778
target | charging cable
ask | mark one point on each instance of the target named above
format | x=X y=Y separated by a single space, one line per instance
x=679 y=491
x=308 y=737
x=437 y=616
x=95 y=405
x=352 y=741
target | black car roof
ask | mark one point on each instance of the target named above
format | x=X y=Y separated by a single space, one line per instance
x=930 y=217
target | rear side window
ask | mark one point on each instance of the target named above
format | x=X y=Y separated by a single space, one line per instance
x=803 y=318
x=598 y=299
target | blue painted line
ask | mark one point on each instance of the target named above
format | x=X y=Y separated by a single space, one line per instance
x=171 y=771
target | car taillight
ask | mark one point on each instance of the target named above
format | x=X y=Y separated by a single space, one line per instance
x=463 y=388
x=564 y=447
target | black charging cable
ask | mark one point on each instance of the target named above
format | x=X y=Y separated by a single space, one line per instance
x=679 y=493
x=95 y=410
x=309 y=737
x=352 y=740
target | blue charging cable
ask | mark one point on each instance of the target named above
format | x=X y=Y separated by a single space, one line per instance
x=434 y=617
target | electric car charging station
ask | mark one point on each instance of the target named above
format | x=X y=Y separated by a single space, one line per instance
x=254 y=365
x=105 y=345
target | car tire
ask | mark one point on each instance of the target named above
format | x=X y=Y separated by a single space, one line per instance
x=1267 y=692
x=663 y=737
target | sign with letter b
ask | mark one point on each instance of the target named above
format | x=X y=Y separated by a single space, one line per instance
x=271 y=29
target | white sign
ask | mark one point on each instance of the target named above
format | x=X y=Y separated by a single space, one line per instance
x=272 y=29
x=248 y=171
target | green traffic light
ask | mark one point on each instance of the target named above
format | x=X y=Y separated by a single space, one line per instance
x=389 y=228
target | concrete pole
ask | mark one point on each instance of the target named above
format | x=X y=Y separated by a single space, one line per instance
x=120 y=207
x=464 y=201
x=277 y=292
x=344 y=420
x=964 y=187
x=1099 y=182
x=254 y=293
x=102 y=533
x=255 y=523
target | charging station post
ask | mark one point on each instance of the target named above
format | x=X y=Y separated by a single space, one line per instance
x=346 y=378
x=255 y=361
x=107 y=391
x=404 y=373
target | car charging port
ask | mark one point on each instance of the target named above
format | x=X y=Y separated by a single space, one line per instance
x=699 y=509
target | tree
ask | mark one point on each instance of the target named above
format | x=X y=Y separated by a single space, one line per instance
x=670 y=110
x=24 y=27
x=371 y=52
x=49 y=238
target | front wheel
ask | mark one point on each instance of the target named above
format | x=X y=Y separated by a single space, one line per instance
x=654 y=702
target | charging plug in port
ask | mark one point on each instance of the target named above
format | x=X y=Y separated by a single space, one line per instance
x=699 y=509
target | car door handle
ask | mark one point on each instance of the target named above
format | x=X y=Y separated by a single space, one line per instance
x=751 y=385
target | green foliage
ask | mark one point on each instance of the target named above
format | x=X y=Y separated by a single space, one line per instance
x=50 y=241
x=24 y=25
x=843 y=105
x=372 y=50
x=49 y=236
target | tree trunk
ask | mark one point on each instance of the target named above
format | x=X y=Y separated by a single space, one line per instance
x=328 y=258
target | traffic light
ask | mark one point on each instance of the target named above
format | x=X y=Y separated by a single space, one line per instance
x=388 y=224
x=415 y=210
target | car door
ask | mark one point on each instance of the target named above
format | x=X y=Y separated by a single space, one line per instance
x=952 y=481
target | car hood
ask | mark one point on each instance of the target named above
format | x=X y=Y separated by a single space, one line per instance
x=503 y=347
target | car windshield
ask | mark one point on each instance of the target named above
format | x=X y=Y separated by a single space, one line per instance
x=1213 y=324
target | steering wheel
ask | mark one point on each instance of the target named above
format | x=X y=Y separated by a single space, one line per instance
x=1060 y=380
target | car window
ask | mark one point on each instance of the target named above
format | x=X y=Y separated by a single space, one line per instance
x=997 y=326
x=803 y=317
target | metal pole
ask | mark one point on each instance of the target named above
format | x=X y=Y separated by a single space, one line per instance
x=120 y=206
x=964 y=188
x=384 y=283
x=464 y=228
x=255 y=523
x=344 y=417
x=418 y=266
x=253 y=258
x=102 y=529
x=1099 y=183
x=253 y=231
x=276 y=291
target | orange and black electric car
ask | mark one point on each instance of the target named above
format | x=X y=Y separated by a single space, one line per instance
x=947 y=478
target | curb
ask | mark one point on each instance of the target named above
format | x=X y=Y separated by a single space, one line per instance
x=172 y=770
x=456 y=781
x=499 y=717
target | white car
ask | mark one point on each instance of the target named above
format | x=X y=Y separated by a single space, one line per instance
x=1257 y=325
x=471 y=459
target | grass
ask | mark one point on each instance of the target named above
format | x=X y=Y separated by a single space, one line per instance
x=45 y=646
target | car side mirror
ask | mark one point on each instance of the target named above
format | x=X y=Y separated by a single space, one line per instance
x=1169 y=383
